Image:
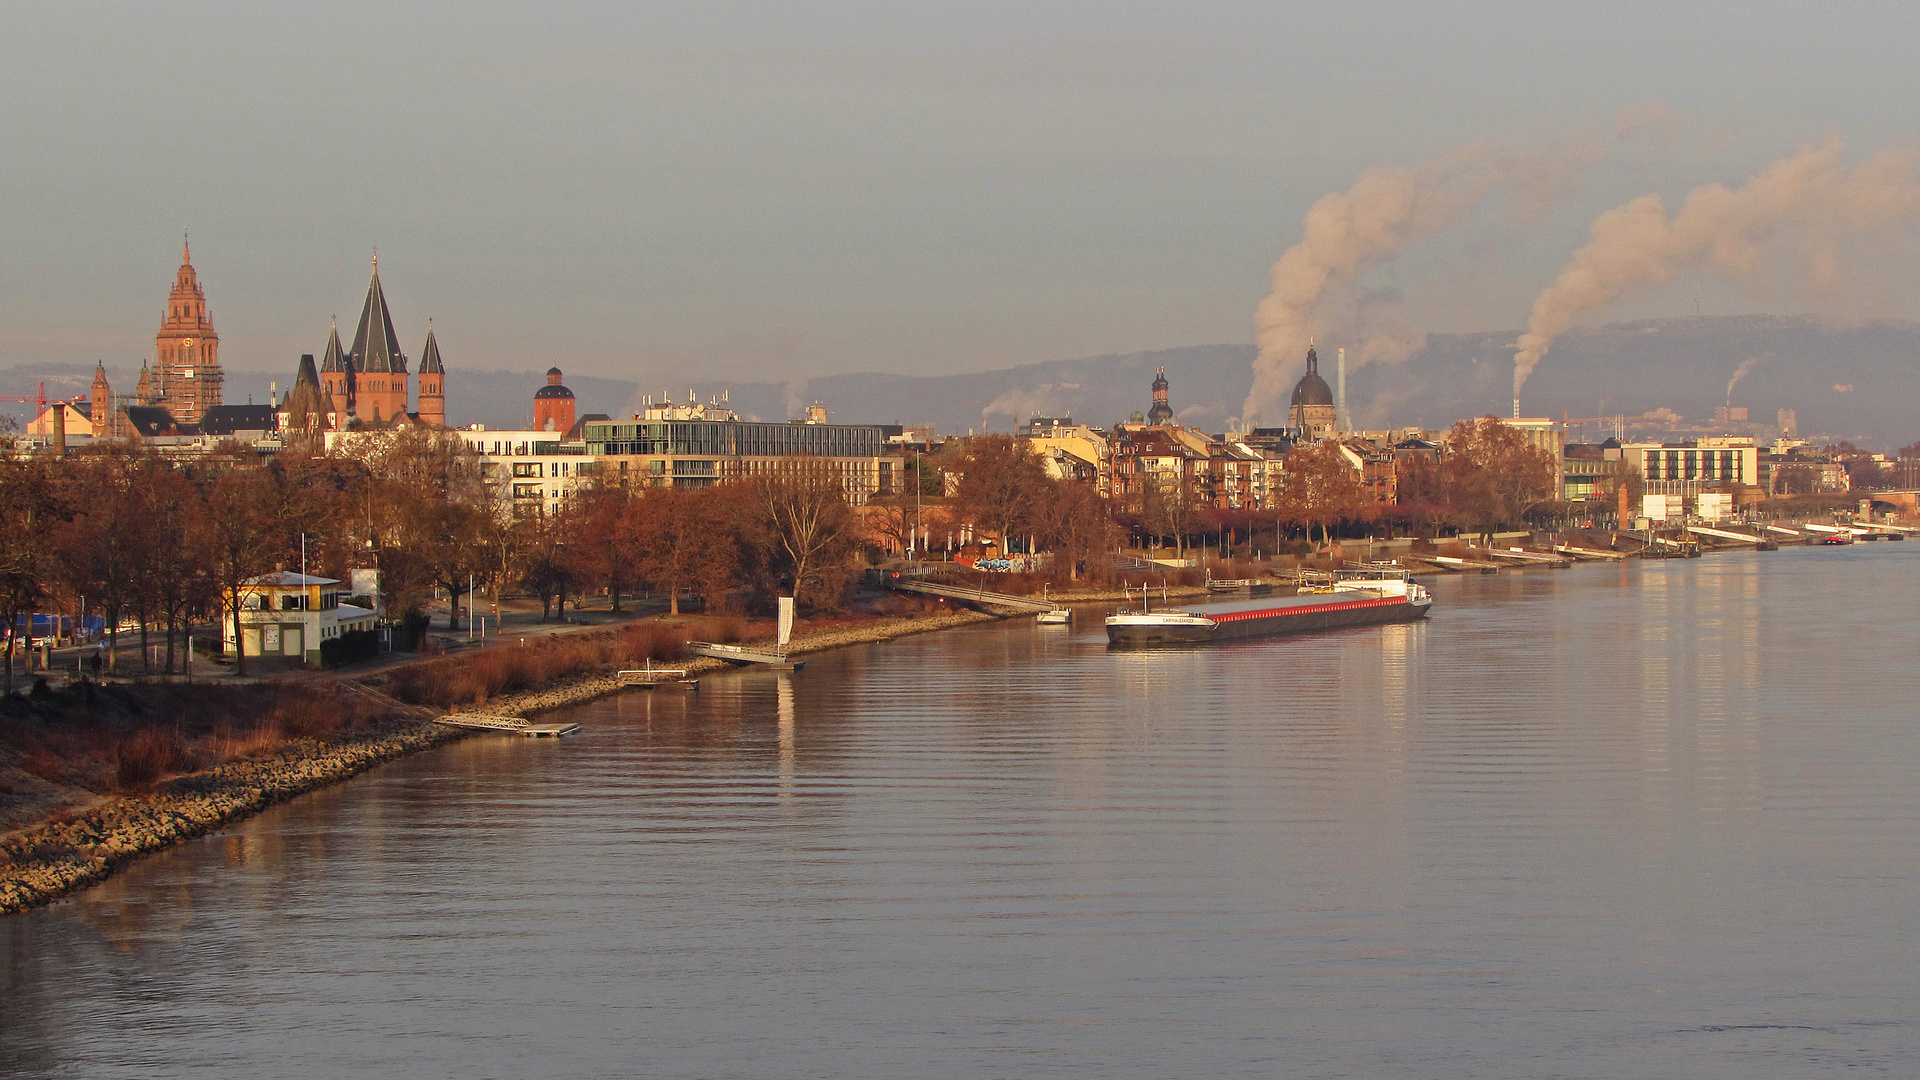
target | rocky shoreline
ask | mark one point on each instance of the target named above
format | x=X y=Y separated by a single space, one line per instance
x=43 y=863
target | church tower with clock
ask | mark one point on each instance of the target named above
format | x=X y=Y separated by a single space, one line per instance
x=187 y=349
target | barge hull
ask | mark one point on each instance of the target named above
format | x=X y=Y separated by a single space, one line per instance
x=1316 y=617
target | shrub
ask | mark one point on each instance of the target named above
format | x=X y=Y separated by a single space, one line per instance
x=149 y=755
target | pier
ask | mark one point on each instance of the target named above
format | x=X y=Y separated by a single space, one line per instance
x=992 y=602
x=740 y=654
x=513 y=725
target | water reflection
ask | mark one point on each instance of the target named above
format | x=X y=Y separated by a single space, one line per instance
x=1648 y=820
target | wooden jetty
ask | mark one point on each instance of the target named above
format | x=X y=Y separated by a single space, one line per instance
x=1452 y=563
x=1588 y=553
x=512 y=725
x=653 y=678
x=1535 y=558
x=742 y=655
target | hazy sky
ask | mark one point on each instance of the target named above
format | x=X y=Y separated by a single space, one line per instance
x=777 y=190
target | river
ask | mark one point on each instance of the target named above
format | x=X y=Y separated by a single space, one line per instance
x=1649 y=820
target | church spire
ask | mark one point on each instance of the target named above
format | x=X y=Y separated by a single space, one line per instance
x=375 y=348
x=430 y=354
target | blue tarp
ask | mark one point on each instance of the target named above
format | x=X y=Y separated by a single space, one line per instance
x=43 y=625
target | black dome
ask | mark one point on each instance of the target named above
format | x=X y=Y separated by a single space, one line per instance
x=552 y=390
x=1312 y=390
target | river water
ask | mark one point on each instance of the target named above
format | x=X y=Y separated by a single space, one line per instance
x=1652 y=820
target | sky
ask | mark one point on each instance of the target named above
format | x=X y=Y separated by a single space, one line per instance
x=767 y=190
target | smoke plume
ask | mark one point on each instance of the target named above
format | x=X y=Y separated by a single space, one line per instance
x=1019 y=404
x=1726 y=231
x=1746 y=367
x=1390 y=208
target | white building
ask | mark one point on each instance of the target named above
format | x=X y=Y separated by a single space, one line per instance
x=284 y=614
x=531 y=471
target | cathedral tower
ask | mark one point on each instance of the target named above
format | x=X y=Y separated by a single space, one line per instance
x=336 y=381
x=186 y=349
x=379 y=392
x=433 y=399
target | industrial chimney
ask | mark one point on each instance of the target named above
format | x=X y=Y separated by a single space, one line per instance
x=1340 y=419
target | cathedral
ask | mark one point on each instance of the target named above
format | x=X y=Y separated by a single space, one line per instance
x=367 y=386
x=187 y=378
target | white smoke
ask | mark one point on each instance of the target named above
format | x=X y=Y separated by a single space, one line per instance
x=1021 y=405
x=1746 y=368
x=1388 y=209
x=1726 y=231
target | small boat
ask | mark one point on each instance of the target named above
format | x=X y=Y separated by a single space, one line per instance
x=1059 y=616
x=1356 y=598
x=1837 y=538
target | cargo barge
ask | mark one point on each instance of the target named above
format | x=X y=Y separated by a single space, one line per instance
x=1357 y=598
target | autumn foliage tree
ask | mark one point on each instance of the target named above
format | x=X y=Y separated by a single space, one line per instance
x=1492 y=476
x=1321 y=487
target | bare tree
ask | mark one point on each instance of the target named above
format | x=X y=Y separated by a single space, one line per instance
x=1000 y=477
x=805 y=506
x=243 y=537
x=28 y=505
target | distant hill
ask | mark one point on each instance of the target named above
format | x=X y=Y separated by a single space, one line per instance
x=1845 y=382
x=1854 y=382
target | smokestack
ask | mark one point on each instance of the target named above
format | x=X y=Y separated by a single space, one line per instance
x=1340 y=392
x=59 y=429
x=1516 y=408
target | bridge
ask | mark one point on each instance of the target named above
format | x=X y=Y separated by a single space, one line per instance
x=997 y=603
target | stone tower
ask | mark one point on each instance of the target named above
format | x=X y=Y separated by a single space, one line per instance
x=553 y=405
x=1162 y=413
x=100 y=403
x=186 y=348
x=378 y=389
x=336 y=381
x=433 y=391
x=147 y=390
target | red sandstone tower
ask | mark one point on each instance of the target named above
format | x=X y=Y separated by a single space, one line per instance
x=187 y=349
x=433 y=400
x=553 y=405
x=377 y=391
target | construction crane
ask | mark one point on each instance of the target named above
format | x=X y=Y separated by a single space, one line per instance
x=39 y=399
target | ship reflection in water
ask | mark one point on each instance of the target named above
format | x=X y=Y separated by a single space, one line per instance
x=1649 y=820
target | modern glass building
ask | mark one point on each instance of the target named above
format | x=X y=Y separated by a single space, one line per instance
x=702 y=452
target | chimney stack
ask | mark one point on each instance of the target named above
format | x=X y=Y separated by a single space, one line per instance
x=1340 y=393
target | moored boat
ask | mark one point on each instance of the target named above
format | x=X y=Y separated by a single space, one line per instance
x=1356 y=598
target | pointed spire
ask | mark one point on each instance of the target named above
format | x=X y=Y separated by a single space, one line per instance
x=306 y=376
x=186 y=249
x=430 y=354
x=332 y=359
x=375 y=348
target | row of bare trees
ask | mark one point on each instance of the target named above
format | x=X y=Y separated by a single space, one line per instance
x=142 y=540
